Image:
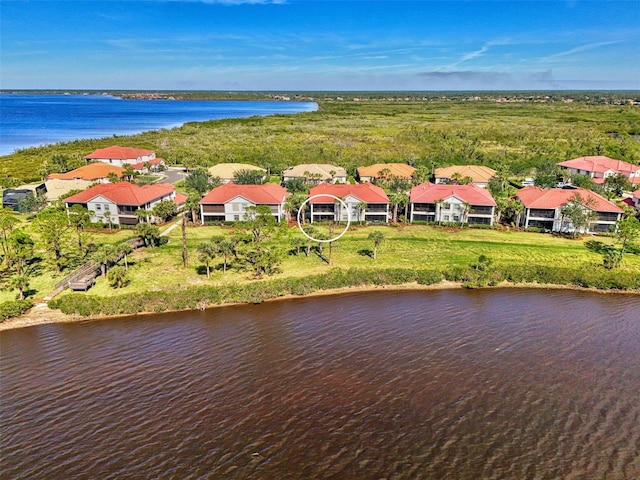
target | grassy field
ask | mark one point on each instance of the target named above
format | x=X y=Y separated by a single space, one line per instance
x=404 y=247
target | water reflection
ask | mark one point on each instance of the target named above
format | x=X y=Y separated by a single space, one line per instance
x=443 y=384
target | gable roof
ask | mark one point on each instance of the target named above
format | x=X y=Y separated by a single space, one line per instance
x=229 y=170
x=478 y=173
x=323 y=169
x=267 y=194
x=471 y=194
x=123 y=193
x=92 y=171
x=636 y=194
x=400 y=170
x=600 y=164
x=153 y=161
x=365 y=192
x=118 y=152
x=548 y=198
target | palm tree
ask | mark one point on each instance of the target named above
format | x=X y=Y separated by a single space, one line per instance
x=117 y=277
x=438 y=204
x=361 y=206
x=107 y=216
x=466 y=208
x=125 y=249
x=20 y=283
x=142 y=215
x=377 y=237
x=207 y=253
x=225 y=248
x=104 y=256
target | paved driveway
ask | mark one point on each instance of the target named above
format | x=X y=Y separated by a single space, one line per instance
x=174 y=174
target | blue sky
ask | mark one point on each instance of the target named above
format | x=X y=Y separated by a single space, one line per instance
x=313 y=45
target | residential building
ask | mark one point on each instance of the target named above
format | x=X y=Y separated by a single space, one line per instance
x=96 y=172
x=451 y=203
x=11 y=197
x=380 y=171
x=543 y=209
x=636 y=198
x=226 y=172
x=229 y=202
x=600 y=167
x=365 y=202
x=121 y=200
x=121 y=156
x=60 y=184
x=316 y=173
x=479 y=174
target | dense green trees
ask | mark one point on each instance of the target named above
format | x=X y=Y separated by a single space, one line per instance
x=200 y=182
x=424 y=133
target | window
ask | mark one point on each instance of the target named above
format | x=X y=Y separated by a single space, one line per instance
x=98 y=207
x=446 y=205
x=235 y=207
x=236 y=217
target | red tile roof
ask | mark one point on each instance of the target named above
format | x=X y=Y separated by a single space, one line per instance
x=636 y=194
x=471 y=194
x=267 y=194
x=536 y=197
x=92 y=171
x=120 y=153
x=180 y=198
x=600 y=164
x=365 y=192
x=123 y=193
x=141 y=165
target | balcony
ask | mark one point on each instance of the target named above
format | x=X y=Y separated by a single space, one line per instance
x=540 y=213
x=213 y=208
x=324 y=208
x=477 y=210
x=376 y=208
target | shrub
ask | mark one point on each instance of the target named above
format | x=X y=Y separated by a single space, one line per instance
x=13 y=308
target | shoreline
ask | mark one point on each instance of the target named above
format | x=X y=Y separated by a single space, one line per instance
x=41 y=314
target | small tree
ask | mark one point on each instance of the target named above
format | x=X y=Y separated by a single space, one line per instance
x=206 y=254
x=165 y=210
x=579 y=212
x=224 y=247
x=79 y=217
x=362 y=207
x=105 y=256
x=377 y=237
x=149 y=233
x=124 y=249
x=118 y=277
x=113 y=177
x=53 y=227
x=21 y=283
x=199 y=181
x=107 y=216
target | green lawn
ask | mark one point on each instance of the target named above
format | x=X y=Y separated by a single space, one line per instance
x=404 y=247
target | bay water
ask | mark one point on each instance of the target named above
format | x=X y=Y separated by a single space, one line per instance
x=451 y=384
x=29 y=120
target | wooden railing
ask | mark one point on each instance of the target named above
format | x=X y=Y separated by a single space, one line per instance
x=90 y=269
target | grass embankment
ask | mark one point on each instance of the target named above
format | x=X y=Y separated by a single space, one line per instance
x=422 y=254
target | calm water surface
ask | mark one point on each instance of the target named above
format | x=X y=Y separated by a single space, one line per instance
x=32 y=120
x=497 y=384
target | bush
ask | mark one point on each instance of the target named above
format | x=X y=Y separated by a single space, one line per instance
x=13 y=308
